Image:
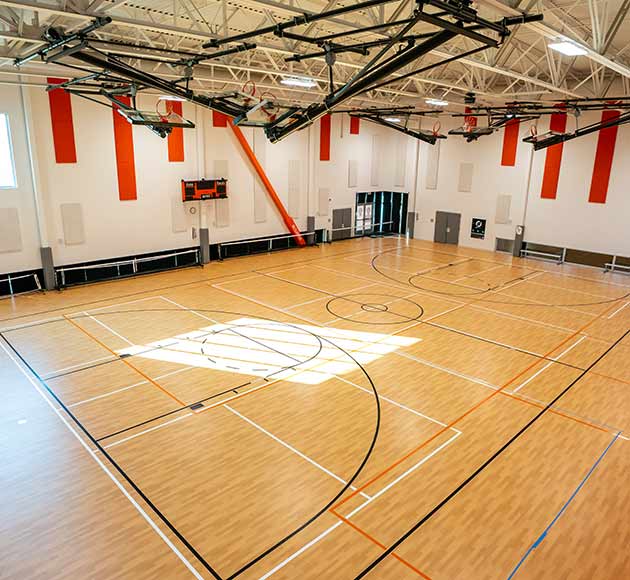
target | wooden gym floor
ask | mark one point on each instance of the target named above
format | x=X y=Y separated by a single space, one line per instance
x=375 y=408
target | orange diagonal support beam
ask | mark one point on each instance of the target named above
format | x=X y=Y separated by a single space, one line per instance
x=288 y=220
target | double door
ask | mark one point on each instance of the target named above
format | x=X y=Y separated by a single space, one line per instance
x=447 y=227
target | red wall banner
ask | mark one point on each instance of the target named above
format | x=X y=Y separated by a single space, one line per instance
x=324 y=137
x=510 y=142
x=176 y=136
x=603 y=159
x=355 y=123
x=125 y=161
x=62 y=125
x=219 y=119
x=553 y=159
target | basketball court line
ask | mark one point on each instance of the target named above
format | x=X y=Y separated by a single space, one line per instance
x=158 y=289
x=475 y=407
x=109 y=393
x=544 y=534
x=496 y=389
x=361 y=506
x=421 y=321
x=125 y=361
x=475 y=473
x=480 y=272
x=553 y=359
x=117 y=483
x=293 y=449
x=618 y=310
x=78 y=366
x=154 y=428
x=109 y=329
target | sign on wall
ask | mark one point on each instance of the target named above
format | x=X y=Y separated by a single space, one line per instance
x=478 y=228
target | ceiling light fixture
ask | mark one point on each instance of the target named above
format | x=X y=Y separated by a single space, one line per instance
x=302 y=82
x=391 y=119
x=170 y=98
x=568 y=48
x=436 y=102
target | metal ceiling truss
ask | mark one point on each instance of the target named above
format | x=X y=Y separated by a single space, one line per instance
x=448 y=19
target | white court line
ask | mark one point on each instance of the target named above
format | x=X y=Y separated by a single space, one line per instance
x=447 y=370
x=133 y=502
x=523 y=318
x=503 y=344
x=147 y=431
x=109 y=329
x=358 y=509
x=480 y=272
x=86 y=364
x=517 y=389
x=327 y=296
x=291 y=448
x=391 y=401
x=571 y=290
x=109 y=393
x=115 y=305
x=618 y=310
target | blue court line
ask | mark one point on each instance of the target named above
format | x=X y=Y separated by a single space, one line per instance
x=563 y=509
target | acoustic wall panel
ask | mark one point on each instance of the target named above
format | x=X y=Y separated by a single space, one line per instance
x=260 y=194
x=322 y=201
x=375 y=163
x=294 y=188
x=433 y=165
x=401 y=161
x=353 y=173
x=62 y=124
x=502 y=215
x=10 y=233
x=178 y=215
x=72 y=223
x=465 y=177
x=176 y=136
x=220 y=169
x=223 y=212
x=603 y=159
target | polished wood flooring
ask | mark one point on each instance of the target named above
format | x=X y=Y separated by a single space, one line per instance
x=378 y=408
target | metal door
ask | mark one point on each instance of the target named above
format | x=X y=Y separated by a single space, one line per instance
x=441 y=222
x=447 y=227
x=341 y=223
x=452 y=228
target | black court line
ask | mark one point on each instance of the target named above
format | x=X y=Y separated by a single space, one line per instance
x=486 y=463
x=160 y=515
x=160 y=289
x=178 y=410
x=480 y=293
x=119 y=469
x=429 y=323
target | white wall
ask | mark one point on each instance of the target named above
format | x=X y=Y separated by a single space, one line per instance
x=21 y=197
x=568 y=221
x=117 y=228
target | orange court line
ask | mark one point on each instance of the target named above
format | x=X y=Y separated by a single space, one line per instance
x=124 y=360
x=382 y=546
x=468 y=412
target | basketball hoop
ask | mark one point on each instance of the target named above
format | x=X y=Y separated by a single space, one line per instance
x=436 y=128
x=169 y=109
x=271 y=108
x=249 y=89
x=533 y=130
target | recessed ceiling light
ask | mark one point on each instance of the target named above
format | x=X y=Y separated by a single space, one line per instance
x=303 y=82
x=21 y=421
x=436 y=102
x=392 y=119
x=170 y=98
x=567 y=47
